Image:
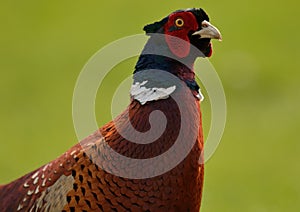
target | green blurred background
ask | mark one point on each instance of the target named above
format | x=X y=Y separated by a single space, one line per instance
x=44 y=45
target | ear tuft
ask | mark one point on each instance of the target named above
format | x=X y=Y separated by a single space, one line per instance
x=155 y=27
x=200 y=14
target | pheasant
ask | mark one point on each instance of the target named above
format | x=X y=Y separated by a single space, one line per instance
x=94 y=176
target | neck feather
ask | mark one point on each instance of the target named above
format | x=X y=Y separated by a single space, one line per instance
x=152 y=58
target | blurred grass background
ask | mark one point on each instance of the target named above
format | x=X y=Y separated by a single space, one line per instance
x=44 y=45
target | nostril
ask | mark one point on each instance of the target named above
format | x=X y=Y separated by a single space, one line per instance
x=205 y=24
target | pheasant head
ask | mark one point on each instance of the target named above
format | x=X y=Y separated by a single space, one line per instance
x=192 y=26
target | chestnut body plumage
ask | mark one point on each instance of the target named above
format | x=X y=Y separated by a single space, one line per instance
x=79 y=181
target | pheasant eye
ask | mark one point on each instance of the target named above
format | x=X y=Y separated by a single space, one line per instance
x=179 y=22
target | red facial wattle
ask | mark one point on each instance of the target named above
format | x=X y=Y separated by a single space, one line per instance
x=210 y=51
x=177 y=37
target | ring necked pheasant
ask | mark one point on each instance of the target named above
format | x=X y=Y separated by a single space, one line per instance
x=83 y=178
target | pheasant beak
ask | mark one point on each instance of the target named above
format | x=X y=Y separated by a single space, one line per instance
x=208 y=31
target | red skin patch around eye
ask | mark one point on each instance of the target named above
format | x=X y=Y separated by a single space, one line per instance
x=180 y=47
